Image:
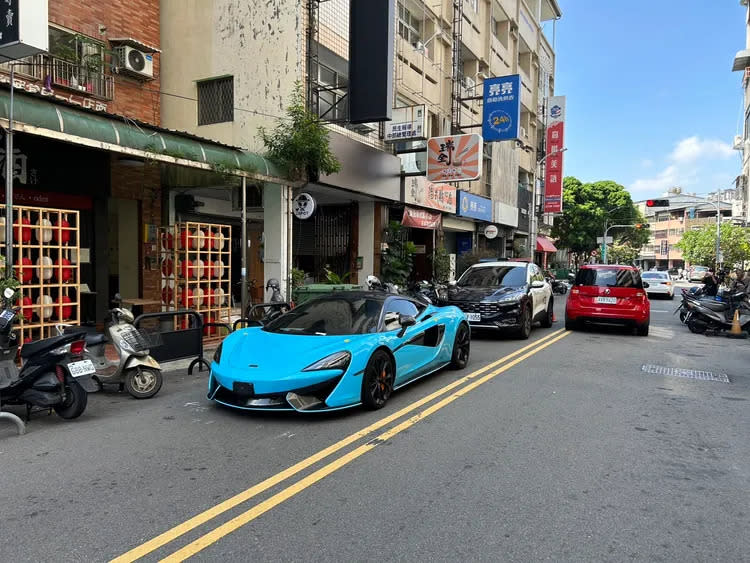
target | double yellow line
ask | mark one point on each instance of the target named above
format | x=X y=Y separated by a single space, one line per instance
x=249 y=515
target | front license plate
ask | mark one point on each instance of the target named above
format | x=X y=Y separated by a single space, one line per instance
x=84 y=367
x=476 y=317
x=606 y=300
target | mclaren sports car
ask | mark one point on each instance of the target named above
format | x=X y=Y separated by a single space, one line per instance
x=338 y=351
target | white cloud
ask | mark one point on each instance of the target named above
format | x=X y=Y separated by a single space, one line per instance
x=689 y=162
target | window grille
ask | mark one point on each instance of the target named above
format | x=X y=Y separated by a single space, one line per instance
x=216 y=100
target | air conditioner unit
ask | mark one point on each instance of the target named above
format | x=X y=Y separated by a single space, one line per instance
x=469 y=83
x=134 y=62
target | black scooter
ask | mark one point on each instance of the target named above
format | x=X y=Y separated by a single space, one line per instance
x=54 y=374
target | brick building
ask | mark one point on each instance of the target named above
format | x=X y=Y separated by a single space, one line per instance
x=88 y=144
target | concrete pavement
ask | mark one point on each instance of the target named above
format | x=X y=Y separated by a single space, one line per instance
x=570 y=453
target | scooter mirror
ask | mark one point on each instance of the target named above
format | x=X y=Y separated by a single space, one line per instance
x=8 y=293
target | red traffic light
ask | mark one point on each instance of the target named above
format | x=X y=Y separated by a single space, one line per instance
x=657 y=203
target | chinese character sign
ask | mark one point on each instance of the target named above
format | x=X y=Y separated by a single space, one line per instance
x=474 y=206
x=457 y=158
x=501 y=113
x=553 y=181
x=418 y=191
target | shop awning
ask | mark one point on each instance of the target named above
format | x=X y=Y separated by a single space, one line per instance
x=39 y=116
x=543 y=244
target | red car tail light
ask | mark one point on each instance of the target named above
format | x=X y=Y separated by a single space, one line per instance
x=77 y=348
x=575 y=291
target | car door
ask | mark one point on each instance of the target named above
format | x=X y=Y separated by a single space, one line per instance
x=417 y=348
x=539 y=295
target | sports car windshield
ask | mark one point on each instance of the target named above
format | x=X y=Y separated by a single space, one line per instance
x=330 y=316
x=494 y=276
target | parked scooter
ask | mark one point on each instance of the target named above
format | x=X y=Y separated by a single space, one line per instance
x=710 y=314
x=135 y=369
x=261 y=313
x=374 y=284
x=54 y=374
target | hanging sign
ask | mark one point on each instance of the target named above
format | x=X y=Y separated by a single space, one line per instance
x=421 y=218
x=456 y=158
x=24 y=28
x=418 y=191
x=303 y=206
x=553 y=177
x=501 y=111
x=490 y=231
x=474 y=206
x=407 y=124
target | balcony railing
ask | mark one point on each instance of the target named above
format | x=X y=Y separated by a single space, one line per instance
x=72 y=76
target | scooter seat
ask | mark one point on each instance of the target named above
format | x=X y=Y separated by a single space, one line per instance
x=42 y=346
x=714 y=305
x=95 y=339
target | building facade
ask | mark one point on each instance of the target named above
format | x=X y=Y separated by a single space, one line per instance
x=247 y=57
x=741 y=64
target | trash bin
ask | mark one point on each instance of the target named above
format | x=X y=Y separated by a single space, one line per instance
x=313 y=290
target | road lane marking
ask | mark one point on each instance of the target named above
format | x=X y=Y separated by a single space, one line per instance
x=200 y=519
x=237 y=522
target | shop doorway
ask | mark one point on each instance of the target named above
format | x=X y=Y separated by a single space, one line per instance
x=124 y=266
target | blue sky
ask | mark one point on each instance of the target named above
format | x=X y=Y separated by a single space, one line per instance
x=651 y=98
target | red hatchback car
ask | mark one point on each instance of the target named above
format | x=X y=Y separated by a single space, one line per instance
x=608 y=294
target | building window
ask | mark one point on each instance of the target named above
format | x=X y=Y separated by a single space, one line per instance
x=409 y=27
x=216 y=100
x=474 y=5
x=487 y=169
x=332 y=101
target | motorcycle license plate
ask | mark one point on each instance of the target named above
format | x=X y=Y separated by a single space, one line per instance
x=475 y=317
x=7 y=315
x=606 y=300
x=84 y=367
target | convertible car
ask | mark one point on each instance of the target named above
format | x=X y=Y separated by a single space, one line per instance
x=337 y=351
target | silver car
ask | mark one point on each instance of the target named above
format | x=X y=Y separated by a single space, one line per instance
x=659 y=283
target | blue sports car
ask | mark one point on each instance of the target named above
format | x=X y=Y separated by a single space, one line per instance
x=337 y=351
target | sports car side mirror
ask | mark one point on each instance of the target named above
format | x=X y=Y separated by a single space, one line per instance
x=405 y=321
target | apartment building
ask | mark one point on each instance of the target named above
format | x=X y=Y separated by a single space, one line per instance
x=741 y=64
x=685 y=212
x=254 y=53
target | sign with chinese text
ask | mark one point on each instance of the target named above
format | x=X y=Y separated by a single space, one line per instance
x=32 y=88
x=456 y=158
x=501 y=113
x=474 y=206
x=408 y=124
x=553 y=177
x=420 y=218
x=418 y=191
x=23 y=28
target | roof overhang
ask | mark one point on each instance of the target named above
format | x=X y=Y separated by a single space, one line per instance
x=130 y=42
x=550 y=10
x=741 y=60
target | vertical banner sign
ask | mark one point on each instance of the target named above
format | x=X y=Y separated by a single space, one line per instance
x=501 y=112
x=457 y=158
x=553 y=180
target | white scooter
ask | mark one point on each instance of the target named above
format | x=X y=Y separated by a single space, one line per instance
x=135 y=370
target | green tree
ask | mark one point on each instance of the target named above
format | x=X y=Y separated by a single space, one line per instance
x=398 y=260
x=699 y=246
x=587 y=206
x=299 y=142
x=622 y=253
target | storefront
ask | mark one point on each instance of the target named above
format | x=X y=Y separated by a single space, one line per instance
x=476 y=211
x=545 y=251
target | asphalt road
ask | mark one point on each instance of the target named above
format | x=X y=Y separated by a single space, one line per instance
x=566 y=451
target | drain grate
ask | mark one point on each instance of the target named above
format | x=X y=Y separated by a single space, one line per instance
x=689 y=373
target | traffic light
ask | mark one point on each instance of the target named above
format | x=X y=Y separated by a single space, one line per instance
x=642 y=225
x=657 y=203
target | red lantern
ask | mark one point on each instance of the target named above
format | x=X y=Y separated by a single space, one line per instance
x=27 y=311
x=67 y=273
x=64 y=234
x=208 y=330
x=209 y=296
x=186 y=298
x=185 y=267
x=67 y=312
x=166 y=267
x=25 y=235
x=167 y=241
x=24 y=272
x=167 y=294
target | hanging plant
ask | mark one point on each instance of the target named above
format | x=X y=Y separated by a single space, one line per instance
x=299 y=143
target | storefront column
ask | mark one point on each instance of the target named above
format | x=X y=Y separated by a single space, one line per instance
x=366 y=238
x=277 y=227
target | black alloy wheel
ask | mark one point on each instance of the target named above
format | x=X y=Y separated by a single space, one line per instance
x=549 y=314
x=526 y=317
x=461 y=347
x=75 y=401
x=378 y=380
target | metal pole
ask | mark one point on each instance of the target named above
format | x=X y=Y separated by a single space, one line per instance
x=243 y=278
x=604 y=243
x=9 y=183
x=718 y=230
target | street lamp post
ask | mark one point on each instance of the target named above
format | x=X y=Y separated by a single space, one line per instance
x=606 y=230
x=534 y=218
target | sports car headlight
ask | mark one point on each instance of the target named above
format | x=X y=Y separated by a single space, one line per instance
x=339 y=360
x=217 y=353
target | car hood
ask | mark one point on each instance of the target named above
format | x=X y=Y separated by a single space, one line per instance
x=483 y=293
x=278 y=354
